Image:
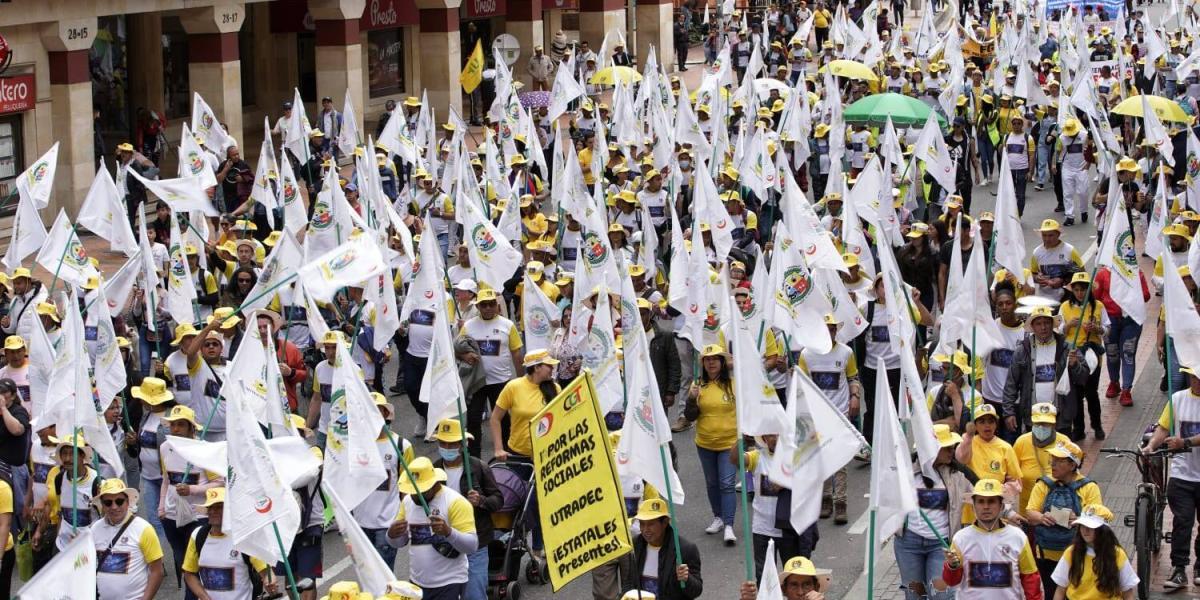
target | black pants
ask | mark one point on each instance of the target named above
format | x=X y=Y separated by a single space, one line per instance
x=1020 y=180
x=822 y=34
x=681 y=53
x=1184 y=499
x=869 y=381
x=1091 y=394
x=6 y=573
x=1058 y=186
x=485 y=398
x=177 y=537
x=1046 y=569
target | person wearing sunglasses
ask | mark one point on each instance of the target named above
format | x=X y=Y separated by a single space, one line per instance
x=129 y=556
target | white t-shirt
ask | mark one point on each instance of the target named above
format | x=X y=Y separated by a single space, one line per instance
x=649 y=579
x=1044 y=375
x=999 y=361
x=935 y=502
x=125 y=571
x=495 y=338
x=1062 y=572
x=1184 y=410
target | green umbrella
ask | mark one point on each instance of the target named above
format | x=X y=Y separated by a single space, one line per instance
x=904 y=111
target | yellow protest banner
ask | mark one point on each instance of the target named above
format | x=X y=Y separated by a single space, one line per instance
x=472 y=72
x=579 y=495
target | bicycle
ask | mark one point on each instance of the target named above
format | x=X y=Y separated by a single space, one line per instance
x=1147 y=517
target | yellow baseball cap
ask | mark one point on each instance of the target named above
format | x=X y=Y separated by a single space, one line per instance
x=14 y=342
x=988 y=488
x=450 y=431
x=1050 y=225
x=1067 y=449
x=655 y=508
x=214 y=496
x=985 y=410
x=1044 y=412
x=425 y=475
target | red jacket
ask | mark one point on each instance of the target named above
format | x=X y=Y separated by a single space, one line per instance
x=290 y=355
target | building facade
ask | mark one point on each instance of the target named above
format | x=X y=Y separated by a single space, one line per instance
x=91 y=74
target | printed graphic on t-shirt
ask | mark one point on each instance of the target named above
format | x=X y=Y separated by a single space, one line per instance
x=1189 y=429
x=650 y=584
x=421 y=317
x=79 y=517
x=115 y=562
x=41 y=472
x=989 y=574
x=183 y=383
x=933 y=498
x=827 y=380
x=1043 y=374
x=489 y=347
x=1001 y=357
x=879 y=333
x=148 y=439
x=217 y=580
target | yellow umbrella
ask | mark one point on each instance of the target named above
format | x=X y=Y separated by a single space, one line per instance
x=1165 y=108
x=610 y=76
x=851 y=69
x=708 y=97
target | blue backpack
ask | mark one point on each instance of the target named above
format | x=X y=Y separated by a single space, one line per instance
x=1058 y=537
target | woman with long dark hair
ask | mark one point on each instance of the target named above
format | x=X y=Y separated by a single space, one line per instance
x=710 y=405
x=240 y=285
x=1095 y=565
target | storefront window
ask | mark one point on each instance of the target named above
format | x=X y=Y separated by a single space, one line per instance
x=175 y=69
x=385 y=62
x=110 y=81
x=11 y=160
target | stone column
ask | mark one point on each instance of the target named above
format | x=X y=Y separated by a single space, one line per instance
x=598 y=17
x=339 y=55
x=147 y=86
x=71 y=109
x=654 y=28
x=524 y=22
x=214 y=62
x=441 y=55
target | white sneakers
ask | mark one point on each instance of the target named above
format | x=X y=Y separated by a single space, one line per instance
x=730 y=538
x=716 y=526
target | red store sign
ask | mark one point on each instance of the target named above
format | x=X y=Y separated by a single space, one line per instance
x=477 y=9
x=17 y=93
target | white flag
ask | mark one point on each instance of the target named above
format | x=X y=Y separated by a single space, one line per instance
x=1156 y=133
x=295 y=137
x=331 y=222
x=759 y=410
x=295 y=217
x=380 y=291
x=441 y=387
x=110 y=369
x=598 y=351
x=281 y=264
x=181 y=288
x=206 y=125
x=893 y=494
x=816 y=443
x=709 y=211
x=1183 y=324
x=769 y=586
x=537 y=313
x=37 y=182
x=194 y=161
x=932 y=149
x=646 y=431
x=373 y=574
x=120 y=286
x=149 y=275
x=28 y=233
x=63 y=255
x=564 y=91
x=968 y=313
x=182 y=194
x=352 y=460
x=261 y=191
x=789 y=300
x=349 y=264
x=1008 y=245
x=262 y=510
x=103 y=213
x=70 y=574
x=347 y=139
x=427 y=285
x=1117 y=252
x=492 y=255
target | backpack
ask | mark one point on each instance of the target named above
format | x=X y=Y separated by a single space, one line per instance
x=1058 y=537
x=256 y=583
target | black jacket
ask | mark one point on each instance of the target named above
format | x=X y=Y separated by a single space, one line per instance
x=664 y=359
x=482 y=482
x=668 y=585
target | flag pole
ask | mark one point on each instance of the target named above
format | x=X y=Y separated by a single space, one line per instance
x=871 y=559
x=404 y=464
x=466 y=450
x=287 y=567
x=662 y=455
x=747 y=532
x=1170 y=385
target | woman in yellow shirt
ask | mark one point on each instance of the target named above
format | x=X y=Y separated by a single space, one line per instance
x=1090 y=337
x=1095 y=567
x=710 y=405
x=521 y=399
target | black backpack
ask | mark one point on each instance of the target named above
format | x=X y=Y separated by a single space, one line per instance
x=256 y=583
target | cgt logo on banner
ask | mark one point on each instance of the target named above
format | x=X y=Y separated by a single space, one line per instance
x=582 y=511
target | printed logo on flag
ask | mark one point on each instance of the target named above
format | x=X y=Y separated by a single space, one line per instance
x=340 y=262
x=322 y=217
x=195 y=163
x=538 y=322
x=1193 y=165
x=75 y=254
x=178 y=262
x=594 y=250
x=268 y=272
x=483 y=238
x=290 y=193
x=1124 y=254
x=805 y=442
x=797 y=284
x=206 y=122
x=38 y=172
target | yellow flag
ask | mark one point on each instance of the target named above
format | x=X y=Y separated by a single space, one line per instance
x=472 y=72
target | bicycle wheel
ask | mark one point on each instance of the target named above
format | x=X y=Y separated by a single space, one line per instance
x=1143 y=542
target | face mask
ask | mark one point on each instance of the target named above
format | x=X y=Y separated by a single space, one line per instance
x=449 y=454
x=685 y=164
x=1042 y=432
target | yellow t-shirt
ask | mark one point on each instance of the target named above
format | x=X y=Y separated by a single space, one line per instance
x=522 y=399
x=991 y=460
x=1086 y=590
x=1035 y=462
x=1088 y=494
x=1094 y=313
x=716 y=428
x=6 y=508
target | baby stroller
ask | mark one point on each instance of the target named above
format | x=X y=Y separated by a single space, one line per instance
x=515 y=480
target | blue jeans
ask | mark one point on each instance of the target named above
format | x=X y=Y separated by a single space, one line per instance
x=145 y=347
x=444 y=243
x=379 y=539
x=1043 y=163
x=1121 y=350
x=987 y=152
x=477 y=575
x=1179 y=379
x=20 y=483
x=719 y=478
x=151 y=489
x=920 y=559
